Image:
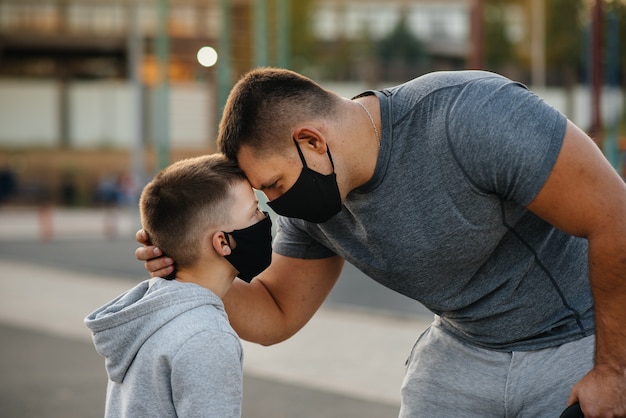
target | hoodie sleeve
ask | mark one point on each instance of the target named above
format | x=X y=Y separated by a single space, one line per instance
x=207 y=376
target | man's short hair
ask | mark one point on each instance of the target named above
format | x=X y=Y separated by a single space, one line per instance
x=184 y=200
x=265 y=105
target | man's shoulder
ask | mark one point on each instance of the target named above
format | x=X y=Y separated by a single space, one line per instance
x=450 y=79
x=447 y=83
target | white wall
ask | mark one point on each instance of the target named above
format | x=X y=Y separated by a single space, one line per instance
x=191 y=115
x=28 y=113
x=100 y=114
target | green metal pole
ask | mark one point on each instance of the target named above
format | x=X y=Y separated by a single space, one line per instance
x=137 y=150
x=161 y=99
x=610 y=145
x=284 y=23
x=224 y=77
x=260 y=33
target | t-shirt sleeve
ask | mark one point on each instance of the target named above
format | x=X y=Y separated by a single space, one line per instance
x=505 y=138
x=293 y=240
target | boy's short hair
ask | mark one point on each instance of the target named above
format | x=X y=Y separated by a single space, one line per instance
x=184 y=200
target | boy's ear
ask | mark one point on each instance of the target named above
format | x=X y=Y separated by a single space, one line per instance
x=220 y=243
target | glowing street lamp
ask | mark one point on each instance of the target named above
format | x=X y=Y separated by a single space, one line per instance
x=207 y=56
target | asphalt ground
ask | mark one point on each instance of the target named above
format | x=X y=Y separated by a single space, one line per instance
x=46 y=376
x=347 y=362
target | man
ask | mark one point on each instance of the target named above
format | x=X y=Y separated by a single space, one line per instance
x=464 y=191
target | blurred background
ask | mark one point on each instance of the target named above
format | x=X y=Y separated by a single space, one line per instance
x=96 y=95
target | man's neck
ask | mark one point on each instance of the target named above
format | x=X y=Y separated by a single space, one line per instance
x=361 y=143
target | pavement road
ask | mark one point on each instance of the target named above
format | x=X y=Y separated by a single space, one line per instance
x=115 y=257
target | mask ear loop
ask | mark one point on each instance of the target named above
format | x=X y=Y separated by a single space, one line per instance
x=304 y=161
x=227 y=239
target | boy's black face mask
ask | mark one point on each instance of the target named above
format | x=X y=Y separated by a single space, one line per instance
x=314 y=197
x=253 y=249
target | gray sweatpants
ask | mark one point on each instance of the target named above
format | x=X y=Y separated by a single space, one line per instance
x=449 y=378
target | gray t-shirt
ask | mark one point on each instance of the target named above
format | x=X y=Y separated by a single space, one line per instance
x=443 y=219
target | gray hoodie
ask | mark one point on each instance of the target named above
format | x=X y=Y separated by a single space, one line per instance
x=169 y=352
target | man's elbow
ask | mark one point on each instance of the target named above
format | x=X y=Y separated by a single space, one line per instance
x=271 y=338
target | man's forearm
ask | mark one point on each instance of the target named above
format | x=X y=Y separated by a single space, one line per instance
x=607 y=269
x=254 y=314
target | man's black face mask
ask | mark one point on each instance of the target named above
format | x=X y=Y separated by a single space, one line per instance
x=314 y=197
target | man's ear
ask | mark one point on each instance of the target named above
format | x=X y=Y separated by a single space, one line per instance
x=310 y=137
x=220 y=244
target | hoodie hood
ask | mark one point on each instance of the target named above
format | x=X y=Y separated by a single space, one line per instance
x=120 y=327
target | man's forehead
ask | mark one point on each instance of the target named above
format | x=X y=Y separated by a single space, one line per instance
x=258 y=169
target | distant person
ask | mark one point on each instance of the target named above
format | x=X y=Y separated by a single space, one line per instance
x=106 y=193
x=8 y=183
x=68 y=190
x=464 y=191
x=169 y=348
x=125 y=189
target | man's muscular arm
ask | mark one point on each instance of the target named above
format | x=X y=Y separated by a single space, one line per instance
x=584 y=196
x=276 y=304
x=282 y=299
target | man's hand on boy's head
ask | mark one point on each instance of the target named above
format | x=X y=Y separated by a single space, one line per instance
x=154 y=261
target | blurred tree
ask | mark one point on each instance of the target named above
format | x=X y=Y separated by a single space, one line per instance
x=499 y=50
x=337 y=61
x=565 y=20
x=565 y=44
x=401 y=53
x=618 y=10
x=618 y=7
x=303 y=45
x=366 y=61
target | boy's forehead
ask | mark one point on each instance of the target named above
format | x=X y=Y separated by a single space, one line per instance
x=243 y=191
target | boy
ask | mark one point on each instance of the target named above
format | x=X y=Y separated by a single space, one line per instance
x=170 y=350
